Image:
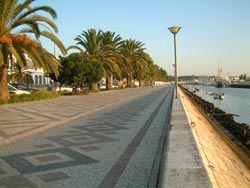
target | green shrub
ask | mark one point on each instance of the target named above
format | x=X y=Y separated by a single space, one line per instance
x=3 y=101
x=44 y=95
x=39 y=95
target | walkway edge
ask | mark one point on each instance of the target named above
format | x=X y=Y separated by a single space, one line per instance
x=183 y=166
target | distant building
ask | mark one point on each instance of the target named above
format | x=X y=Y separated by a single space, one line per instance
x=234 y=79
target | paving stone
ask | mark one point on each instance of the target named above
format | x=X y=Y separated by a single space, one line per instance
x=109 y=139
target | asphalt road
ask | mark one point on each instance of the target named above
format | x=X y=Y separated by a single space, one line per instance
x=110 y=139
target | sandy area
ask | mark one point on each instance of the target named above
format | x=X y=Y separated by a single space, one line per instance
x=223 y=165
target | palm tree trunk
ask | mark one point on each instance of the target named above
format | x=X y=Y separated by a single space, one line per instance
x=129 y=80
x=4 y=91
x=148 y=83
x=140 y=83
x=94 y=86
x=109 y=82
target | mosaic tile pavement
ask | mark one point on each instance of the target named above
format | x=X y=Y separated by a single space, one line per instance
x=94 y=151
x=19 y=121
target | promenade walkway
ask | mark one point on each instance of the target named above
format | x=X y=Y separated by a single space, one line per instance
x=104 y=140
x=23 y=120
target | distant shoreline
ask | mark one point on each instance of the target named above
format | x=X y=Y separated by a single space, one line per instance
x=240 y=85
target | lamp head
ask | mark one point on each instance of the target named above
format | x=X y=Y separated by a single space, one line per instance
x=174 y=29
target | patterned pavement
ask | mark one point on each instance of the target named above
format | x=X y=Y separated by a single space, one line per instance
x=106 y=142
x=18 y=121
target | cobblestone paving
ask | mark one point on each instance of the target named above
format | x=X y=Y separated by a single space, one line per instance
x=19 y=121
x=115 y=147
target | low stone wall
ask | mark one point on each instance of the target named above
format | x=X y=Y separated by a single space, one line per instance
x=239 y=133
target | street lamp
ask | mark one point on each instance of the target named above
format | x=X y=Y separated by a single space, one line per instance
x=175 y=30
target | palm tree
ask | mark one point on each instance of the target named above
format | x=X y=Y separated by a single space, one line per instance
x=18 y=23
x=112 y=43
x=91 y=41
x=99 y=48
x=143 y=69
x=134 y=57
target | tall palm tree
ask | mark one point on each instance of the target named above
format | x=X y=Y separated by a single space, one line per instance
x=91 y=41
x=134 y=57
x=20 y=29
x=112 y=43
x=99 y=48
x=143 y=69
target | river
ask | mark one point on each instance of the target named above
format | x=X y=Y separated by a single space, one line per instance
x=236 y=101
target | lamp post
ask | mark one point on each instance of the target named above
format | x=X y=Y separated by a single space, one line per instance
x=175 y=30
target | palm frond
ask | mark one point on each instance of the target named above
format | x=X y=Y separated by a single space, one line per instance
x=17 y=51
x=33 y=10
x=6 y=10
x=19 y=8
x=1 y=55
x=44 y=21
x=74 y=47
x=56 y=41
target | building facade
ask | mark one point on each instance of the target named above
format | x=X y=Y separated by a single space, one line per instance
x=39 y=79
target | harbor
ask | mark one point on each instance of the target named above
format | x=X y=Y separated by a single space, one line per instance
x=236 y=100
x=222 y=163
x=225 y=121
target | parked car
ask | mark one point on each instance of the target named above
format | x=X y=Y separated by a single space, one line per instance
x=15 y=91
x=64 y=88
x=115 y=86
x=102 y=87
x=24 y=87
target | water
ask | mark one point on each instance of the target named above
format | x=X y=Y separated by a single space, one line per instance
x=236 y=101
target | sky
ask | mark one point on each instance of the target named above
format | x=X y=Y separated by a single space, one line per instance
x=214 y=33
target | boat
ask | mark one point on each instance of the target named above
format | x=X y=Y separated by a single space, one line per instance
x=216 y=96
x=219 y=96
x=219 y=79
x=210 y=93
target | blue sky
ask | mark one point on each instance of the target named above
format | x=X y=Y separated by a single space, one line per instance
x=214 y=32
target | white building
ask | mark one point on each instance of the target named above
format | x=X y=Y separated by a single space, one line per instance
x=38 y=77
